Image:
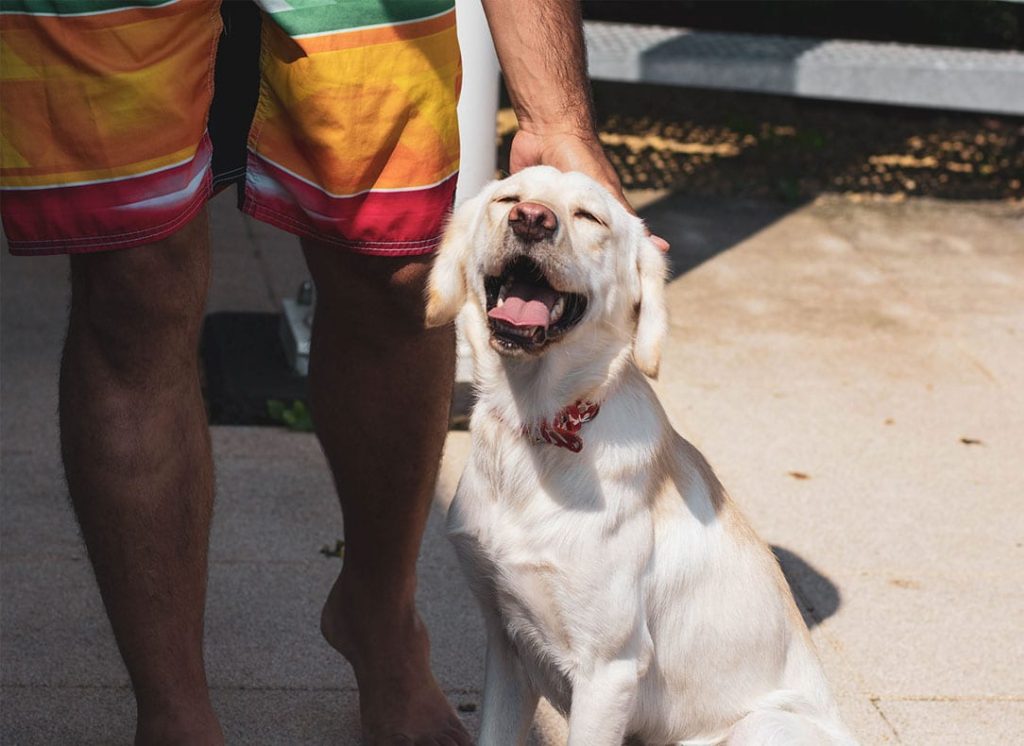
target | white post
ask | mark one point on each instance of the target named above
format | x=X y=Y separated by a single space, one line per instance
x=478 y=105
x=478 y=112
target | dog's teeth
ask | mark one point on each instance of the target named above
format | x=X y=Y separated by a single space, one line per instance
x=558 y=309
x=501 y=301
x=503 y=292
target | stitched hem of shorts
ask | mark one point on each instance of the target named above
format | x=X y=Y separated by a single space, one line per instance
x=114 y=241
x=228 y=177
x=304 y=230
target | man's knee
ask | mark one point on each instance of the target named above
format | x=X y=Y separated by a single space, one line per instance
x=145 y=302
x=376 y=292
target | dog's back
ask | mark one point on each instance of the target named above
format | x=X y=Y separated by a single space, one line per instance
x=728 y=638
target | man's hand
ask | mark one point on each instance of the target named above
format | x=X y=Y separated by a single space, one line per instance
x=540 y=46
x=571 y=152
x=566 y=152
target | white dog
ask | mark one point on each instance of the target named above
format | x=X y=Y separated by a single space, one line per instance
x=616 y=577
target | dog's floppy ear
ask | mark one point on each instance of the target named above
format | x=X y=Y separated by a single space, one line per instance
x=446 y=287
x=652 y=316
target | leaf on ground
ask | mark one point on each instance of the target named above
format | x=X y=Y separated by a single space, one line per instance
x=295 y=417
x=338 y=551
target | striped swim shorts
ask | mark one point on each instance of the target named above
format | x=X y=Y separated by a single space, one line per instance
x=120 y=118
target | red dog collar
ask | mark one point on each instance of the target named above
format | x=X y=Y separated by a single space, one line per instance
x=563 y=430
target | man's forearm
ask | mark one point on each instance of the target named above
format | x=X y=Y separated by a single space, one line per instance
x=543 y=58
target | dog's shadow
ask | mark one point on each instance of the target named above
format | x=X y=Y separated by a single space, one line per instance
x=817 y=597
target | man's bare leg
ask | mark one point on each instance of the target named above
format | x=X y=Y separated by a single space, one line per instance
x=380 y=389
x=137 y=457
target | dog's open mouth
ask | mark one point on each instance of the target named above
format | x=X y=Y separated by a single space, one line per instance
x=525 y=312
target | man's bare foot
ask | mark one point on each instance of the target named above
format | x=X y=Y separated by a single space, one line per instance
x=400 y=702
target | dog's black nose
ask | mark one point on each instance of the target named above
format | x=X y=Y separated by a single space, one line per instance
x=532 y=222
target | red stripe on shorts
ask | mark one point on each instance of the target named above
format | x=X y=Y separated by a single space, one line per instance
x=91 y=217
x=387 y=223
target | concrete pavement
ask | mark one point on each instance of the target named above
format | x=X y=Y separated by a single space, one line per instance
x=852 y=371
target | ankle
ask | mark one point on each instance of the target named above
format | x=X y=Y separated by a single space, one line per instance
x=186 y=725
x=371 y=603
x=356 y=619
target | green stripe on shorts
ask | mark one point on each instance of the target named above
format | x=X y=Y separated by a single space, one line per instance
x=298 y=17
x=75 y=7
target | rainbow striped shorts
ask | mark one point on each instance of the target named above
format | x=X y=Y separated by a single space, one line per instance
x=120 y=118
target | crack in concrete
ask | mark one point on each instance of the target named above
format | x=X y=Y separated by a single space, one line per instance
x=881 y=714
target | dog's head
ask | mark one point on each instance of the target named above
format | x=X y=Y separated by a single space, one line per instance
x=544 y=259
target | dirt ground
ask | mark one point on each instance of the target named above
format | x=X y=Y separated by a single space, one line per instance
x=718 y=143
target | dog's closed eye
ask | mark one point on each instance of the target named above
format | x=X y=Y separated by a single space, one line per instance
x=585 y=215
x=508 y=199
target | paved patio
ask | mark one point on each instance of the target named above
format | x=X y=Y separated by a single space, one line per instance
x=852 y=370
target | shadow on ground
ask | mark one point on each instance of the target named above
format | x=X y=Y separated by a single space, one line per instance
x=817 y=597
x=703 y=227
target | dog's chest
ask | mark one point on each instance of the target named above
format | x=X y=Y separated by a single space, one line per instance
x=520 y=574
x=548 y=571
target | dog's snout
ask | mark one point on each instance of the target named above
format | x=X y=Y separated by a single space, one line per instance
x=531 y=221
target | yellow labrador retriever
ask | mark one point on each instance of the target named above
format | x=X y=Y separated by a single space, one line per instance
x=616 y=577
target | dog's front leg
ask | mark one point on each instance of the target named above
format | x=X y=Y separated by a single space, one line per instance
x=602 y=704
x=509 y=698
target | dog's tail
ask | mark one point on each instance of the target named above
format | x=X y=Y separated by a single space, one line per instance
x=788 y=718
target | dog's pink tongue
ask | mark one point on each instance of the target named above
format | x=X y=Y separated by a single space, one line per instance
x=526 y=305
